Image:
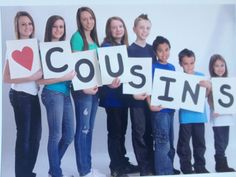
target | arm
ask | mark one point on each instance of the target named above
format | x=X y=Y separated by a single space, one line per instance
x=115 y=83
x=69 y=76
x=7 y=78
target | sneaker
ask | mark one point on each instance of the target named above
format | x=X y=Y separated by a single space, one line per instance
x=62 y=176
x=116 y=173
x=130 y=168
x=94 y=173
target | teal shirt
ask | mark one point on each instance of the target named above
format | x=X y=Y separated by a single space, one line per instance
x=77 y=43
x=62 y=87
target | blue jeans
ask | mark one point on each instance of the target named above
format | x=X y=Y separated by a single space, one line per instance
x=61 y=127
x=85 y=111
x=163 y=138
x=28 y=125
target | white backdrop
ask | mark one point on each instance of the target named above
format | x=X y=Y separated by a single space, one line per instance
x=205 y=28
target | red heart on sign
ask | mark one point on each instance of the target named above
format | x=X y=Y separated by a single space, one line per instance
x=24 y=57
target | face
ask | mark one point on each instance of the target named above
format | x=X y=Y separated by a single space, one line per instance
x=163 y=53
x=58 y=29
x=219 y=68
x=87 y=21
x=142 y=29
x=188 y=64
x=117 y=30
x=25 y=27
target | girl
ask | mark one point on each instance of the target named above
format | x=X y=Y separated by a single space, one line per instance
x=25 y=102
x=221 y=123
x=56 y=98
x=86 y=101
x=116 y=106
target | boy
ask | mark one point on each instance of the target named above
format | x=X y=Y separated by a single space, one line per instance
x=191 y=125
x=162 y=119
x=139 y=112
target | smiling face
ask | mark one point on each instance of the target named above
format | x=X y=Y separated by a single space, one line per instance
x=219 y=68
x=87 y=21
x=25 y=27
x=163 y=53
x=117 y=30
x=188 y=64
x=58 y=30
x=142 y=29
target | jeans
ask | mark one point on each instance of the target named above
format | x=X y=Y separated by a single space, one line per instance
x=142 y=138
x=221 y=137
x=85 y=110
x=116 y=126
x=61 y=127
x=28 y=125
x=163 y=135
x=196 y=131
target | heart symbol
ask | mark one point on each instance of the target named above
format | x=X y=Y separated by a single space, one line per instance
x=24 y=57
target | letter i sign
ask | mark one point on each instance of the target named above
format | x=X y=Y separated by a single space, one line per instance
x=24 y=57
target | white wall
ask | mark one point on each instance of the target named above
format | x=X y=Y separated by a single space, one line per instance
x=204 y=28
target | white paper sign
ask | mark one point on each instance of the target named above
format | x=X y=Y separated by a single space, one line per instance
x=140 y=70
x=56 y=59
x=176 y=90
x=165 y=89
x=192 y=96
x=23 y=57
x=87 y=68
x=113 y=63
x=224 y=94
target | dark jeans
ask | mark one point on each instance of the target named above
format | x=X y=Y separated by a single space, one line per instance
x=116 y=126
x=28 y=125
x=197 y=132
x=142 y=138
x=221 y=137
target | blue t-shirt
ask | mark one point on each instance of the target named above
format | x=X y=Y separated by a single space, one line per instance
x=135 y=50
x=109 y=97
x=157 y=65
x=187 y=117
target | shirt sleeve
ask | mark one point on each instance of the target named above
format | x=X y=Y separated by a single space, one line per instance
x=76 y=42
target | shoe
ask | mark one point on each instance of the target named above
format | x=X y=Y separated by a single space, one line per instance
x=188 y=172
x=130 y=168
x=176 y=172
x=116 y=173
x=201 y=170
x=94 y=173
x=62 y=176
x=146 y=174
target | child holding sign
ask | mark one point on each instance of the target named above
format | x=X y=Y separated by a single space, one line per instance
x=25 y=102
x=162 y=118
x=115 y=104
x=191 y=125
x=56 y=98
x=86 y=100
x=221 y=122
x=139 y=111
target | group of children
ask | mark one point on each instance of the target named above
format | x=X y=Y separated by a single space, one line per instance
x=152 y=126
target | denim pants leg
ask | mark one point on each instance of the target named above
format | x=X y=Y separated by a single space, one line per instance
x=28 y=124
x=199 y=145
x=140 y=138
x=221 y=138
x=116 y=126
x=183 y=147
x=161 y=131
x=61 y=127
x=85 y=110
